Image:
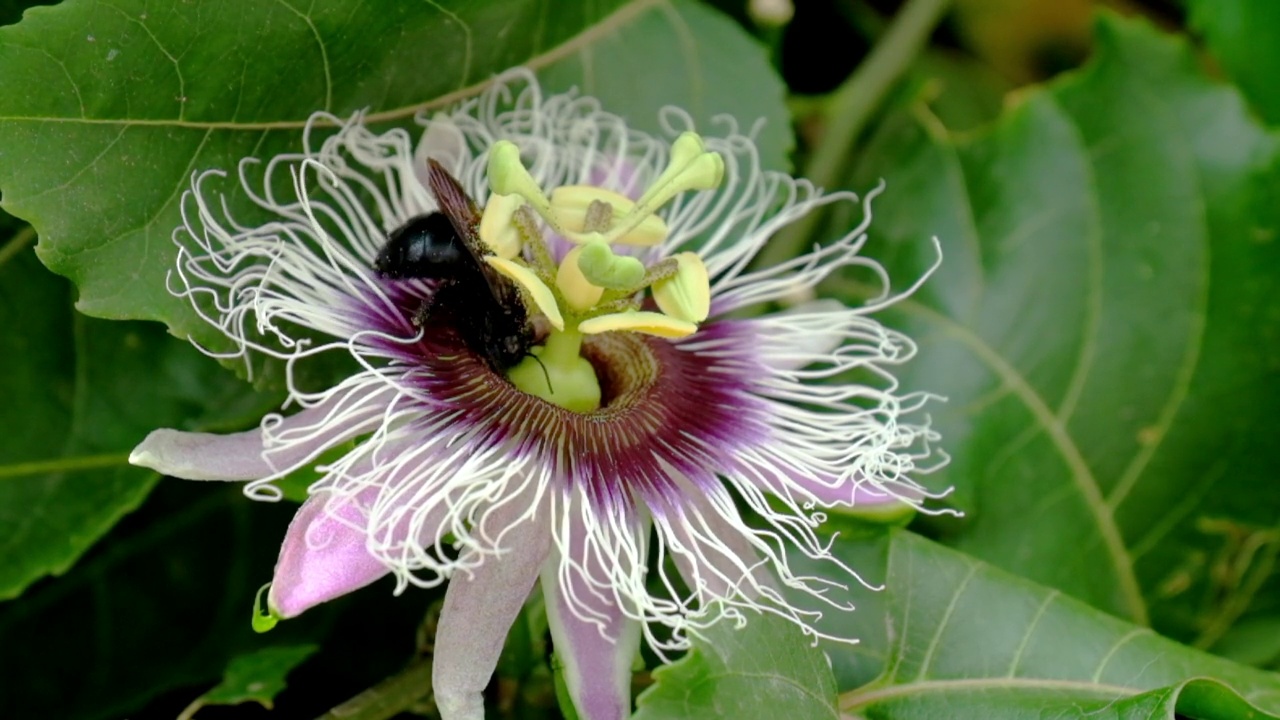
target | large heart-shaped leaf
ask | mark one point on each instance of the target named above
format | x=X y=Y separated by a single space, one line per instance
x=1104 y=327
x=106 y=109
x=963 y=639
x=746 y=673
x=1242 y=35
x=79 y=394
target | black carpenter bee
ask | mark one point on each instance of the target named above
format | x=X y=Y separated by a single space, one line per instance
x=476 y=301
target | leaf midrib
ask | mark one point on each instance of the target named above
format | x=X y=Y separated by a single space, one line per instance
x=857 y=699
x=1081 y=475
x=1190 y=360
x=610 y=24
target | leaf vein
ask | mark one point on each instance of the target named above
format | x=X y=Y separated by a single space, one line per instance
x=177 y=67
x=1115 y=648
x=83 y=169
x=854 y=700
x=467 y=50
x=1030 y=631
x=938 y=632
x=1081 y=474
x=620 y=18
x=324 y=52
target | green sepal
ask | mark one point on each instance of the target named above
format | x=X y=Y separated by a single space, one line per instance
x=263 y=617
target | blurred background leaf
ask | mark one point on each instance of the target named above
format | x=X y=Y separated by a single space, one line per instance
x=253 y=677
x=79 y=394
x=964 y=639
x=1104 y=328
x=1026 y=40
x=105 y=111
x=1243 y=36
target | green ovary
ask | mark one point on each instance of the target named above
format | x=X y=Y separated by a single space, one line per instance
x=573 y=383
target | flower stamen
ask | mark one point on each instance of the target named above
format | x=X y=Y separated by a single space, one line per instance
x=594 y=289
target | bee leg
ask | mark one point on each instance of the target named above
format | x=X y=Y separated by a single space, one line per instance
x=434 y=305
x=420 y=317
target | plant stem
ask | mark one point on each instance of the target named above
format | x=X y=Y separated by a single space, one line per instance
x=853 y=104
x=389 y=697
x=17 y=243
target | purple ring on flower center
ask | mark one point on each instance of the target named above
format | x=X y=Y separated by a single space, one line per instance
x=685 y=405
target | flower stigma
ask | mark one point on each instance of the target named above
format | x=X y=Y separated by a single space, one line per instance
x=593 y=289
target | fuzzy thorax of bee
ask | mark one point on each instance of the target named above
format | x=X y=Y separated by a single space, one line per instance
x=593 y=289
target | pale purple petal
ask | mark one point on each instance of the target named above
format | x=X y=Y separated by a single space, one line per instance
x=593 y=637
x=323 y=557
x=443 y=142
x=792 y=340
x=203 y=456
x=279 y=444
x=802 y=486
x=479 y=608
x=714 y=556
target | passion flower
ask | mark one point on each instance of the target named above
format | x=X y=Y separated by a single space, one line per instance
x=650 y=408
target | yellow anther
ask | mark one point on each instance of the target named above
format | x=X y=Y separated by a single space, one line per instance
x=496 y=228
x=538 y=291
x=508 y=176
x=570 y=204
x=649 y=323
x=574 y=287
x=687 y=294
x=691 y=167
x=600 y=266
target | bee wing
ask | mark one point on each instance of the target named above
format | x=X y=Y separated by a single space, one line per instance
x=458 y=206
x=463 y=212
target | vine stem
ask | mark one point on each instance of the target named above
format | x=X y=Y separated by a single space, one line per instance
x=17 y=243
x=853 y=104
x=389 y=697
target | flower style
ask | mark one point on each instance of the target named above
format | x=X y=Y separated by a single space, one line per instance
x=646 y=407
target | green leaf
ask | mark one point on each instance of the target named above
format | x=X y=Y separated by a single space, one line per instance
x=749 y=672
x=254 y=677
x=99 y=164
x=1104 y=327
x=153 y=614
x=79 y=394
x=159 y=606
x=109 y=108
x=690 y=56
x=106 y=110
x=1253 y=641
x=1243 y=35
x=965 y=639
x=964 y=92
